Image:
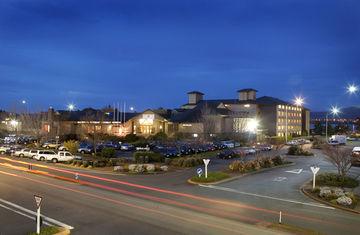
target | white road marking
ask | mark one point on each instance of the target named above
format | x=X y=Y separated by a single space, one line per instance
x=20 y=213
x=264 y=196
x=34 y=213
x=279 y=179
x=295 y=171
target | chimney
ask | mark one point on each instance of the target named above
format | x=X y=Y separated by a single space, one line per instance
x=195 y=97
x=247 y=94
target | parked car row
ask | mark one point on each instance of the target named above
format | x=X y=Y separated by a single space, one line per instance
x=243 y=151
x=298 y=142
x=45 y=155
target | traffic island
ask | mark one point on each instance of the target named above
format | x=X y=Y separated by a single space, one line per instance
x=211 y=178
x=333 y=192
x=52 y=230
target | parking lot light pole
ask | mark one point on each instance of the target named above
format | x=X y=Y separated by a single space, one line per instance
x=334 y=111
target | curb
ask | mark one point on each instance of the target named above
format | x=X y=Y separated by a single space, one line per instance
x=302 y=188
x=240 y=176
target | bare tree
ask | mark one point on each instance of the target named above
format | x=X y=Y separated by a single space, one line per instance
x=91 y=121
x=339 y=157
x=32 y=124
x=208 y=119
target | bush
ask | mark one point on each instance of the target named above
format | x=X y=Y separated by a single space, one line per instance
x=159 y=136
x=108 y=152
x=317 y=143
x=146 y=157
x=277 y=160
x=298 y=151
x=131 y=138
x=72 y=146
x=85 y=163
x=332 y=179
x=186 y=162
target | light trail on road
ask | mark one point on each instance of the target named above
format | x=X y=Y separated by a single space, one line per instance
x=122 y=203
x=199 y=198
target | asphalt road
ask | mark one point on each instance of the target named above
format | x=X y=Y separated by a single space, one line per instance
x=252 y=200
x=90 y=210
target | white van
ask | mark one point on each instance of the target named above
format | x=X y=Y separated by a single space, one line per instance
x=45 y=155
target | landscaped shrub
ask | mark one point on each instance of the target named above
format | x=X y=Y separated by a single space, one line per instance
x=317 y=143
x=146 y=157
x=234 y=166
x=277 y=160
x=108 y=152
x=186 y=162
x=266 y=163
x=72 y=146
x=130 y=138
x=332 y=179
x=298 y=151
x=85 y=163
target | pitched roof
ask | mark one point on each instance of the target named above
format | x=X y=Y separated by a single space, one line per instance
x=195 y=92
x=246 y=90
x=204 y=107
x=90 y=114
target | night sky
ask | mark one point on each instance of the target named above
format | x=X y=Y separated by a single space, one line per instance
x=149 y=53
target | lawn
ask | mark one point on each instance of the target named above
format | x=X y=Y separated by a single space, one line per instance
x=212 y=177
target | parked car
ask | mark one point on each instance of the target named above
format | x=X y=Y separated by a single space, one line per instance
x=22 y=153
x=341 y=139
x=48 y=155
x=247 y=150
x=5 y=149
x=85 y=149
x=127 y=147
x=356 y=156
x=227 y=154
x=292 y=143
x=33 y=153
x=45 y=155
x=62 y=148
x=50 y=145
x=143 y=148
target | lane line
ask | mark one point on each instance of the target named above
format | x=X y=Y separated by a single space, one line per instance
x=25 y=215
x=34 y=213
x=264 y=196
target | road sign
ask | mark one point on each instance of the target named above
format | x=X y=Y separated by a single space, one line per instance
x=199 y=171
x=206 y=162
x=315 y=169
x=38 y=200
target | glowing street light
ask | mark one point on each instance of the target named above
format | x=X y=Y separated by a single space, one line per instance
x=299 y=101
x=71 y=107
x=252 y=125
x=23 y=101
x=334 y=111
x=352 y=89
x=132 y=108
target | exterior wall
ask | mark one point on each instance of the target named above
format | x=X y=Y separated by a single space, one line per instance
x=293 y=114
x=268 y=120
x=194 y=98
x=306 y=121
x=191 y=128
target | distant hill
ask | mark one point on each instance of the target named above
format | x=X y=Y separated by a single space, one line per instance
x=348 y=113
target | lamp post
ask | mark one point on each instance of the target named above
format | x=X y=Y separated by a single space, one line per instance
x=352 y=89
x=71 y=107
x=334 y=111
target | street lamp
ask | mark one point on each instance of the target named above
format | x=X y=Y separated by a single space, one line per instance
x=132 y=108
x=352 y=89
x=252 y=125
x=334 y=111
x=299 y=101
x=71 y=107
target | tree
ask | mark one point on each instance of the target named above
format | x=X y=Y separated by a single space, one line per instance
x=208 y=119
x=32 y=124
x=341 y=128
x=339 y=157
x=318 y=128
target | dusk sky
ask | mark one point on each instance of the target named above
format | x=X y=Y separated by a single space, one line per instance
x=150 y=53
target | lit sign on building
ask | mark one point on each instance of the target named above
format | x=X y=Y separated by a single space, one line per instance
x=147 y=119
